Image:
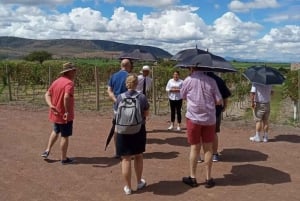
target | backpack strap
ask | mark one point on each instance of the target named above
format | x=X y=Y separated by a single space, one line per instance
x=135 y=95
x=123 y=95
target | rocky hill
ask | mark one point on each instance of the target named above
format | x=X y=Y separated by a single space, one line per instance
x=14 y=47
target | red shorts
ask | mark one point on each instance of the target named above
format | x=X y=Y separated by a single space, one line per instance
x=197 y=133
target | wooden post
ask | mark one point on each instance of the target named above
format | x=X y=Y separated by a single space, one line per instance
x=296 y=67
x=97 y=88
x=154 y=92
x=8 y=82
x=298 y=110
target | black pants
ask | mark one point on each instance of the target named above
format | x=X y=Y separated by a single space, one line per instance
x=176 y=106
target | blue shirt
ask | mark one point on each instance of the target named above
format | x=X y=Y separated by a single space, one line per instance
x=117 y=82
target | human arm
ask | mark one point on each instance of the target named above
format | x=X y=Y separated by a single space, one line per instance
x=66 y=106
x=111 y=94
x=49 y=103
x=225 y=101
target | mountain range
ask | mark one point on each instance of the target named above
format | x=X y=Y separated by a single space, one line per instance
x=15 y=48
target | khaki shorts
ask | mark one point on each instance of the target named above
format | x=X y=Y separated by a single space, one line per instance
x=261 y=111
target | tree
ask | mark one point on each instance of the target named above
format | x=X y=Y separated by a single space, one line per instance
x=290 y=90
x=39 y=56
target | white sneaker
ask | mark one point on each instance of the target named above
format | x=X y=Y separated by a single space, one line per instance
x=178 y=128
x=142 y=184
x=255 y=139
x=171 y=127
x=127 y=190
x=265 y=139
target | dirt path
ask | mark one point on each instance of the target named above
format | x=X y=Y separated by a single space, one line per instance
x=248 y=171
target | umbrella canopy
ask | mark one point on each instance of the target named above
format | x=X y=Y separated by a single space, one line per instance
x=183 y=54
x=264 y=75
x=202 y=59
x=138 y=54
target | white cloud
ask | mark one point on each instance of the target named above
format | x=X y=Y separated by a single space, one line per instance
x=150 y=3
x=287 y=34
x=171 y=29
x=230 y=28
x=176 y=25
x=291 y=14
x=124 y=21
x=238 y=6
x=36 y=2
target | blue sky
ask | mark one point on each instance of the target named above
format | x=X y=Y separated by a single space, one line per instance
x=247 y=29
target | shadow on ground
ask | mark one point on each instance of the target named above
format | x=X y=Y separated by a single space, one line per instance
x=96 y=161
x=161 y=155
x=293 y=138
x=242 y=155
x=170 y=188
x=253 y=174
x=176 y=141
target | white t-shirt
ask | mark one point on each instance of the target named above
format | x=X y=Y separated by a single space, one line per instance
x=262 y=92
x=174 y=84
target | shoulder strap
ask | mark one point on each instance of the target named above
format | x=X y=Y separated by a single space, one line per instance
x=135 y=95
x=123 y=96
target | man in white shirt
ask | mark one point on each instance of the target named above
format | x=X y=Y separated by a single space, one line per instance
x=260 y=102
x=144 y=81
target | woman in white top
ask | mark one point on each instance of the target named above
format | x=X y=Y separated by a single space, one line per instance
x=173 y=88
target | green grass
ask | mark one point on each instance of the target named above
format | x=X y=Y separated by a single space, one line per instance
x=276 y=102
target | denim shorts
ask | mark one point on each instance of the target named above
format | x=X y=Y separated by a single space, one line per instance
x=65 y=129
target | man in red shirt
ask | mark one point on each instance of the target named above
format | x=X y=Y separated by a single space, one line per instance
x=60 y=99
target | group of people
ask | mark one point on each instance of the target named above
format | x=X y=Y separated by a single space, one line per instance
x=206 y=96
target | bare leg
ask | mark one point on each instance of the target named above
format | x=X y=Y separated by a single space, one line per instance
x=216 y=144
x=207 y=147
x=258 y=126
x=266 y=126
x=138 y=166
x=126 y=170
x=194 y=154
x=64 y=143
x=52 y=139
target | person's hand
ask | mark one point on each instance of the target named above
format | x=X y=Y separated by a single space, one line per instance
x=65 y=116
x=54 y=110
x=253 y=104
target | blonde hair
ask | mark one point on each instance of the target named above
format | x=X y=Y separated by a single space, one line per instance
x=131 y=81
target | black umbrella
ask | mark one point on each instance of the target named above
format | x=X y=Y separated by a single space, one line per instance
x=202 y=59
x=183 y=54
x=138 y=54
x=264 y=75
x=111 y=133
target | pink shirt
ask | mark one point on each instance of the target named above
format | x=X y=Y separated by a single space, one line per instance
x=57 y=90
x=201 y=93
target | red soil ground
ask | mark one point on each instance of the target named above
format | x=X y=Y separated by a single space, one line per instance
x=247 y=171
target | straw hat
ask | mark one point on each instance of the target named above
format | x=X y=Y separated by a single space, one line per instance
x=68 y=67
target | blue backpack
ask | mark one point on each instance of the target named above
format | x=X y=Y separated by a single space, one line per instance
x=129 y=116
